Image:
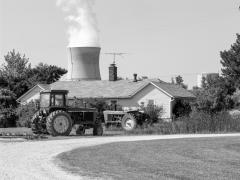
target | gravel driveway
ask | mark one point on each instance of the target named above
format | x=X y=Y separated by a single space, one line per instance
x=32 y=160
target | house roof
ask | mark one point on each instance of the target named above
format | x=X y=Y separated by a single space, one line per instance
x=117 y=89
x=45 y=86
x=112 y=89
x=174 y=90
x=101 y=89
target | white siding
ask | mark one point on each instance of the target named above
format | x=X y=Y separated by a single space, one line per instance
x=149 y=93
x=32 y=95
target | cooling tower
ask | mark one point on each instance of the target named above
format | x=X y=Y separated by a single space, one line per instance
x=83 y=63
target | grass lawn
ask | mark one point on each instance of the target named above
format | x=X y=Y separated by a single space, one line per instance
x=15 y=131
x=203 y=158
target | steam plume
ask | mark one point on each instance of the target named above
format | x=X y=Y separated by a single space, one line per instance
x=83 y=30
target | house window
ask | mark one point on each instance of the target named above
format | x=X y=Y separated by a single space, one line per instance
x=59 y=100
x=150 y=102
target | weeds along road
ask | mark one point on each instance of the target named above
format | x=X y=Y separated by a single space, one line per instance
x=34 y=160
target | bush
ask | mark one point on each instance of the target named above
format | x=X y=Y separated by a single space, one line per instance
x=8 y=117
x=217 y=122
x=25 y=114
x=181 y=108
x=7 y=108
x=153 y=112
x=155 y=128
x=197 y=122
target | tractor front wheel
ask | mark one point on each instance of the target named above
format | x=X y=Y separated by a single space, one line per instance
x=129 y=122
x=59 y=123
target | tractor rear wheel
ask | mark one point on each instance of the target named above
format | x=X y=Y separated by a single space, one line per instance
x=59 y=123
x=98 y=130
x=129 y=122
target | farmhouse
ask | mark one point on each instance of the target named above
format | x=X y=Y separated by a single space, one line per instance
x=126 y=93
x=83 y=81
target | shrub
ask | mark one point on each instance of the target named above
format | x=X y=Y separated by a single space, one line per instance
x=7 y=117
x=153 y=112
x=197 y=122
x=100 y=105
x=7 y=108
x=155 y=128
x=181 y=108
x=25 y=114
x=159 y=128
x=217 y=122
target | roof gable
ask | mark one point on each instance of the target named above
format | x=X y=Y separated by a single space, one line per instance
x=40 y=86
x=44 y=86
x=173 y=90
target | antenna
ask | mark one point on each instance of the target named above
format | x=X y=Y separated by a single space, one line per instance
x=114 y=54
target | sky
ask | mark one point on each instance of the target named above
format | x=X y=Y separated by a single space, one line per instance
x=162 y=38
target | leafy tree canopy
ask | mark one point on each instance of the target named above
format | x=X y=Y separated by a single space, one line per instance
x=17 y=75
x=7 y=108
x=14 y=73
x=215 y=95
x=46 y=74
x=179 y=81
x=230 y=60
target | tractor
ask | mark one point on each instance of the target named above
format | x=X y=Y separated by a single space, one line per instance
x=56 y=118
x=128 y=120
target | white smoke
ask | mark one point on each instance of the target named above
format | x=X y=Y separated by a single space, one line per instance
x=83 y=29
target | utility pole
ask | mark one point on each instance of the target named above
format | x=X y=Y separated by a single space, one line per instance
x=114 y=54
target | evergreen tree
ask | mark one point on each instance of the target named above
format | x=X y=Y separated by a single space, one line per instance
x=17 y=75
x=46 y=74
x=7 y=108
x=230 y=60
x=179 y=81
x=215 y=95
x=14 y=73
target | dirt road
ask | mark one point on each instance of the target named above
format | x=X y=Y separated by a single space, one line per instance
x=34 y=160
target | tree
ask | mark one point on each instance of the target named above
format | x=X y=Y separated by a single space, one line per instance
x=181 y=108
x=25 y=114
x=179 y=81
x=46 y=74
x=14 y=73
x=230 y=60
x=216 y=92
x=17 y=75
x=7 y=108
x=215 y=96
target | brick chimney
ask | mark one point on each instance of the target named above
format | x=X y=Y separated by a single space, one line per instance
x=112 y=72
x=134 y=77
